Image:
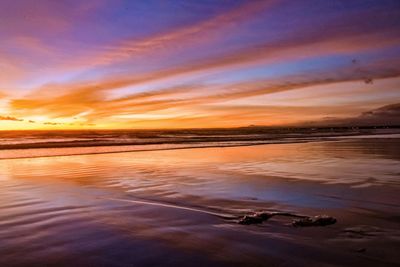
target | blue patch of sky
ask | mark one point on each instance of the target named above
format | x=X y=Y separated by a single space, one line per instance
x=275 y=71
x=140 y=19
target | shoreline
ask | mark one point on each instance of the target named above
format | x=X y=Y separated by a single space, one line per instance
x=116 y=148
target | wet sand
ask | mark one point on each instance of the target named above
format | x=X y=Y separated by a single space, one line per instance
x=180 y=207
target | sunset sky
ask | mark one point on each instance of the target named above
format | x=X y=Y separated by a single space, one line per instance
x=185 y=64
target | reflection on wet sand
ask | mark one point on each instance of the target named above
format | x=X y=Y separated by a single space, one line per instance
x=174 y=207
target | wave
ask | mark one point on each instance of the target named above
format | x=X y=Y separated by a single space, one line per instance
x=28 y=144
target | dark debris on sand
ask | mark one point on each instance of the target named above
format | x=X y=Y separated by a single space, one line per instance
x=301 y=221
x=320 y=220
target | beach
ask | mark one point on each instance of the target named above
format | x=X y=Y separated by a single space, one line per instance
x=182 y=206
x=199 y=133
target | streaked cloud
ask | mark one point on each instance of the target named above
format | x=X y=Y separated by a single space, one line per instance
x=388 y=115
x=9 y=118
x=168 y=41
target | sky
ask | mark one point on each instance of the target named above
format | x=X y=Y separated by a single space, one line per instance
x=113 y=64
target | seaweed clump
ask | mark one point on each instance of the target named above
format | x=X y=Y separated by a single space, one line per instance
x=301 y=221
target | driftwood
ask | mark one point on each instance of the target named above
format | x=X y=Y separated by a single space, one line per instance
x=301 y=221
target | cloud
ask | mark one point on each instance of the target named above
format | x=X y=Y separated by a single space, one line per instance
x=73 y=98
x=11 y=67
x=52 y=123
x=388 y=115
x=91 y=99
x=31 y=32
x=43 y=17
x=9 y=118
x=350 y=34
x=201 y=32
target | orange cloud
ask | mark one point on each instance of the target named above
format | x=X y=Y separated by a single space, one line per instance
x=80 y=97
x=9 y=118
x=93 y=101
